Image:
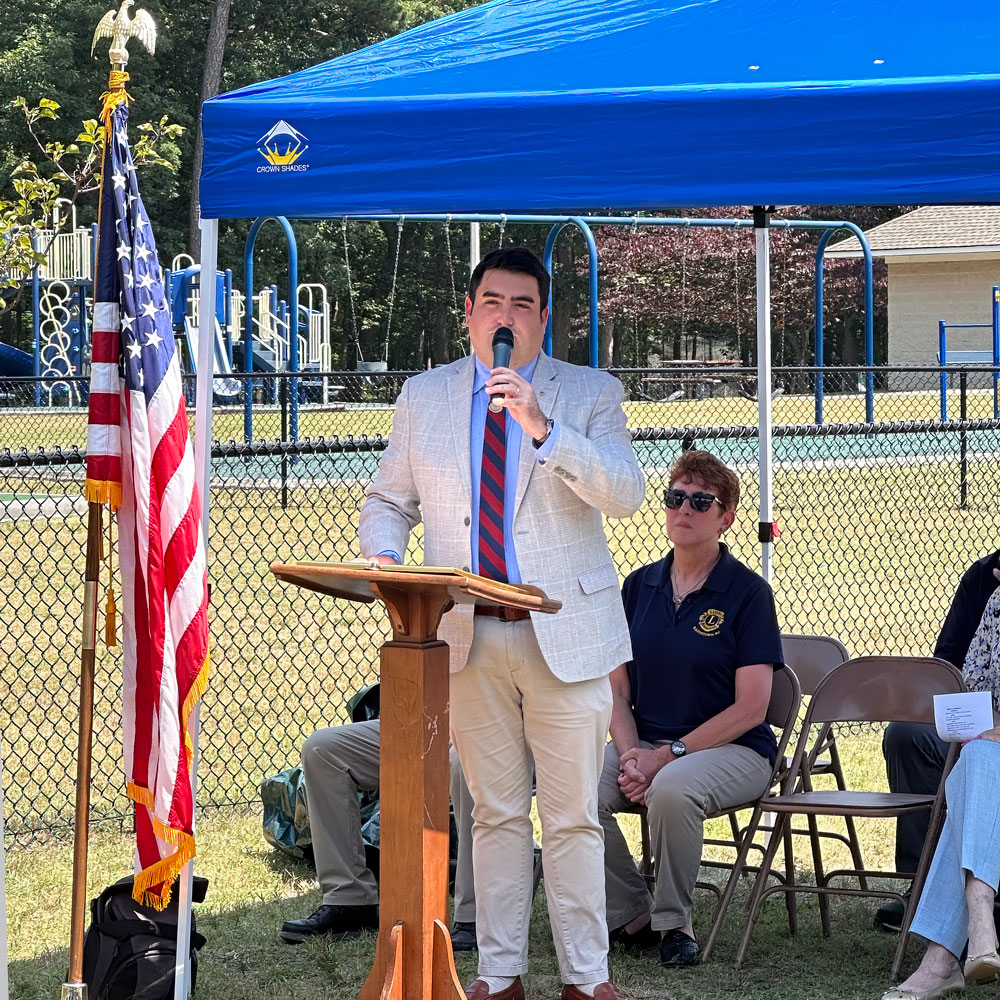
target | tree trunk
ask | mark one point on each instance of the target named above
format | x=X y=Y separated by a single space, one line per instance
x=605 y=343
x=439 y=335
x=215 y=47
x=562 y=301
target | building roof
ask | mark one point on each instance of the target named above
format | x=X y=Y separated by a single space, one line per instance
x=949 y=230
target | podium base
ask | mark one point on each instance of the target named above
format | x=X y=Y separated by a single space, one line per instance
x=443 y=985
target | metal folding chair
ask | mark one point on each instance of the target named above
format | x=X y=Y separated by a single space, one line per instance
x=864 y=689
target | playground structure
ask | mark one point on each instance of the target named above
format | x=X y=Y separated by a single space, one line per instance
x=61 y=292
x=990 y=359
x=60 y=296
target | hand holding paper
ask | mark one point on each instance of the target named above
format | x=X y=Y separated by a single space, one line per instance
x=961 y=717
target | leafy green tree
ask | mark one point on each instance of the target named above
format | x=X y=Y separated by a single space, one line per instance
x=60 y=172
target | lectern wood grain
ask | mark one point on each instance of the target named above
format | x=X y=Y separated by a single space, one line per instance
x=414 y=835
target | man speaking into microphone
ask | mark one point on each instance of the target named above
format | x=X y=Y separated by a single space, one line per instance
x=518 y=495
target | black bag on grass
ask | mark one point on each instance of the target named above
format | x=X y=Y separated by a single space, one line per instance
x=130 y=949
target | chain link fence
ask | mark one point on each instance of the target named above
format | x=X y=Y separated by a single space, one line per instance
x=877 y=518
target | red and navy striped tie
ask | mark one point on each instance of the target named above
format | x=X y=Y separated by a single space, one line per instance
x=492 y=562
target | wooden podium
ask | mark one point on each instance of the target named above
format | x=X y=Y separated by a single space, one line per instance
x=413 y=957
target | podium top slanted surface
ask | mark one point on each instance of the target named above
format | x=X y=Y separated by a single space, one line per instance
x=354 y=581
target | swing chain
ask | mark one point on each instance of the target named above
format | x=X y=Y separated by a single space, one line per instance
x=451 y=272
x=350 y=290
x=392 y=291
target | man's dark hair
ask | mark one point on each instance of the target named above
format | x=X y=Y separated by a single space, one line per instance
x=518 y=259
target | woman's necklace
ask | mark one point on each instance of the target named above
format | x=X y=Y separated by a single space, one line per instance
x=678 y=596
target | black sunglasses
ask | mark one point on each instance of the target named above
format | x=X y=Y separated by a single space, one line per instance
x=701 y=502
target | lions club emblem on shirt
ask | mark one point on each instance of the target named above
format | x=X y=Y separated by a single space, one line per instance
x=710 y=622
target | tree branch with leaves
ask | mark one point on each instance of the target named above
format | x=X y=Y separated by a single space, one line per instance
x=59 y=171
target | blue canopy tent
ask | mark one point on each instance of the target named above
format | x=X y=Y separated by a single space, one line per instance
x=565 y=105
x=559 y=106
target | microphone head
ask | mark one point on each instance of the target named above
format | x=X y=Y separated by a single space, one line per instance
x=503 y=336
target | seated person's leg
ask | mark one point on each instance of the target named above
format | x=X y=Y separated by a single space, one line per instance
x=681 y=795
x=337 y=762
x=463 y=937
x=627 y=896
x=957 y=899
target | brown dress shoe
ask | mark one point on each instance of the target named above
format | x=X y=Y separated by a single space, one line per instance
x=604 y=991
x=478 y=990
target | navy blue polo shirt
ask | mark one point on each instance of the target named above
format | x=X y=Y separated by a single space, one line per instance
x=684 y=663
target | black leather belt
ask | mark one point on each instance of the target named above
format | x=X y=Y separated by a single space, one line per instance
x=504 y=614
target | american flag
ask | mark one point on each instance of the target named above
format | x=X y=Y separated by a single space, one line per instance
x=139 y=456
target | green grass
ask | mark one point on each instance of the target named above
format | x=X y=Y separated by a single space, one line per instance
x=253 y=889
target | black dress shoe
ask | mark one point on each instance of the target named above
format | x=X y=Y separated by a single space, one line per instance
x=644 y=939
x=463 y=937
x=338 y=922
x=678 y=948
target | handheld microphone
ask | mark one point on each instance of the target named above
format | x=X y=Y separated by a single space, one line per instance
x=503 y=344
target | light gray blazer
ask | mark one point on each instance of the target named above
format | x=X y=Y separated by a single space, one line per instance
x=558 y=529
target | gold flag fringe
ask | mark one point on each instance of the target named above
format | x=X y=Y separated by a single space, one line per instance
x=167 y=869
x=193 y=697
x=103 y=492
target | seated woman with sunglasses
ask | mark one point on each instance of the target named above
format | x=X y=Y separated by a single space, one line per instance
x=955 y=911
x=687 y=724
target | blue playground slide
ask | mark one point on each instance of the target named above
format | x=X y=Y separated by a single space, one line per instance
x=14 y=362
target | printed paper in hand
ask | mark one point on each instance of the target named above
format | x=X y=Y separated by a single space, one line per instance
x=959 y=717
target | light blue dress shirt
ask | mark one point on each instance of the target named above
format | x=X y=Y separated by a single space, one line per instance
x=477 y=427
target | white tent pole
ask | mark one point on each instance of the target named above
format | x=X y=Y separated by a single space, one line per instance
x=4 y=990
x=762 y=222
x=203 y=472
x=475 y=254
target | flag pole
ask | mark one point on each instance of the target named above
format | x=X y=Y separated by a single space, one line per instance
x=119 y=28
x=75 y=988
x=203 y=475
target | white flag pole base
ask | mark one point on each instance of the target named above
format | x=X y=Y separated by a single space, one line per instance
x=72 y=991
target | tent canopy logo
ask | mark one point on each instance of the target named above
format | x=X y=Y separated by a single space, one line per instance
x=281 y=146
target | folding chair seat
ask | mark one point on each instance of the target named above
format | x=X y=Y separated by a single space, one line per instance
x=863 y=689
x=782 y=712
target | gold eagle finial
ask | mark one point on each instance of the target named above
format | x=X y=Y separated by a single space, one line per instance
x=119 y=27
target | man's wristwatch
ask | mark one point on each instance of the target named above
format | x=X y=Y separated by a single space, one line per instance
x=538 y=442
x=678 y=748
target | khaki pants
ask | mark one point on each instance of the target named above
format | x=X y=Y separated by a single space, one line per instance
x=337 y=762
x=681 y=795
x=508 y=708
